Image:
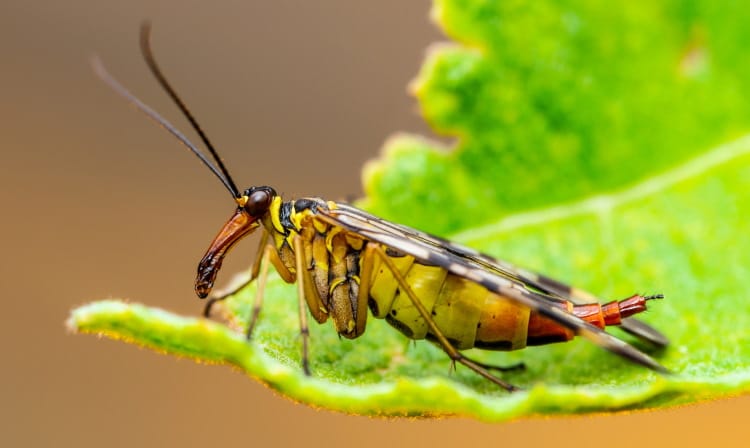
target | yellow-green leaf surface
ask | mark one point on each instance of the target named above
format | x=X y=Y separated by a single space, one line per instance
x=603 y=146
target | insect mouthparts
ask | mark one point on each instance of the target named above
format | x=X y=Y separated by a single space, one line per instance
x=203 y=288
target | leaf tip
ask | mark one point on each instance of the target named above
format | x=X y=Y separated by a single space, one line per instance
x=82 y=316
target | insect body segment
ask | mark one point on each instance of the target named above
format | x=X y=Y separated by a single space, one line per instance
x=346 y=261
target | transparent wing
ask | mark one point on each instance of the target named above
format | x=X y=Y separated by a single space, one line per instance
x=548 y=288
x=496 y=276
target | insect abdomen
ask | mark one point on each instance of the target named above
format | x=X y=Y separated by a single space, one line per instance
x=466 y=313
x=469 y=315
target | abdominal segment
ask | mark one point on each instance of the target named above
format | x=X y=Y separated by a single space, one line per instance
x=468 y=315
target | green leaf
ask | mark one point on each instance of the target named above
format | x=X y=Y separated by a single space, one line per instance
x=557 y=100
x=599 y=145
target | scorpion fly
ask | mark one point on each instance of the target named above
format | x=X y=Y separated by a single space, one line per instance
x=346 y=261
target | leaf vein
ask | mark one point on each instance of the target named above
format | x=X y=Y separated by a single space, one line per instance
x=605 y=203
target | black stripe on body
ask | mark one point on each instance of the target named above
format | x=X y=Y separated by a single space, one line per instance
x=285 y=214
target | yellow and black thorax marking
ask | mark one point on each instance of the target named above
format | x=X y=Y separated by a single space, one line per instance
x=331 y=257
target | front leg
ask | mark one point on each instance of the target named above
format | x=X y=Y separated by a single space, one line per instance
x=254 y=271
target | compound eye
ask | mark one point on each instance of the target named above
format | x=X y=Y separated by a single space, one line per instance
x=258 y=202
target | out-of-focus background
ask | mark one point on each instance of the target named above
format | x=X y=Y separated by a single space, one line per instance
x=98 y=202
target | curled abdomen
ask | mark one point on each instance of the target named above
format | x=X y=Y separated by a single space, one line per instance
x=545 y=331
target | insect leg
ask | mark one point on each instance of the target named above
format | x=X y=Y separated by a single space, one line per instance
x=253 y=275
x=299 y=256
x=519 y=366
x=374 y=249
x=369 y=265
x=259 y=271
x=268 y=252
x=269 y=255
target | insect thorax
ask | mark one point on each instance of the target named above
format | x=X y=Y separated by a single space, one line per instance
x=331 y=260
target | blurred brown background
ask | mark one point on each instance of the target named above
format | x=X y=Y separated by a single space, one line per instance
x=98 y=202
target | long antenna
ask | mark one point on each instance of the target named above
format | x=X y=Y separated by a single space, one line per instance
x=148 y=55
x=104 y=75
